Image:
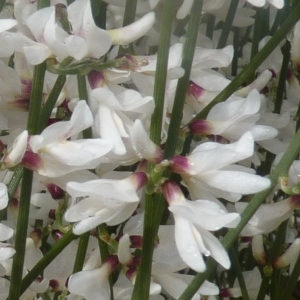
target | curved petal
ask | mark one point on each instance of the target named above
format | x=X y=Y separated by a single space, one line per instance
x=187 y=245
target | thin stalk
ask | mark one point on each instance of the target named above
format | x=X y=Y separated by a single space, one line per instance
x=210 y=25
x=104 y=253
x=99 y=12
x=36 y=98
x=257 y=31
x=282 y=77
x=250 y=69
x=21 y=234
x=275 y=252
x=281 y=168
x=14 y=181
x=83 y=94
x=43 y=3
x=155 y=203
x=183 y=82
x=24 y=204
x=2 y=3
x=161 y=75
x=57 y=248
x=238 y=271
x=228 y=24
x=81 y=252
x=291 y=284
x=51 y=101
x=234 y=63
x=129 y=17
x=154 y=207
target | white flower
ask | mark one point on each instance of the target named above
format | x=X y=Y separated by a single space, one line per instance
x=268 y=216
x=93 y=284
x=193 y=221
x=52 y=154
x=105 y=201
x=114 y=109
x=209 y=170
x=231 y=119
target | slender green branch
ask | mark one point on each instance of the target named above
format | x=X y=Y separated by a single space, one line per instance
x=154 y=207
x=99 y=12
x=161 y=76
x=282 y=168
x=282 y=77
x=183 y=82
x=291 y=284
x=52 y=98
x=129 y=17
x=14 y=181
x=36 y=98
x=238 y=271
x=2 y=3
x=57 y=248
x=21 y=234
x=104 y=252
x=81 y=252
x=24 y=204
x=228 y=23
x=83 y=94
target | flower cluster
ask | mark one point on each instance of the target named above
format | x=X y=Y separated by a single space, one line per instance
x=133 y=136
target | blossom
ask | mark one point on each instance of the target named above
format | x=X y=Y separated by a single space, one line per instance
x=268 y=216
x=52 y=154
x=93 y=284
x=231 y=119
x=193 y=221
x=108 y=201
x=209 y=170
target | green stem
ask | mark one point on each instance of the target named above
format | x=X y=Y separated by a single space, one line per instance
x=36 y=98
x=183 y=82
x=43 y=3
x=24 y=204
x=275 y=252
x=154 y=207
x=210 y=25
x=155 y=203
x=2 y=3
x=228 y=23
x=257 y=31
x=282 y=77
x=83 y=94
x=57 y=248
x=21 y=234
x=161 y=76
x=51 y=101
x=255 y=62
x=81 y=252
x=234 y=63
x=129 y=17
x=99 y=12
x=291 y=284
x=238 y=272
x=14 y=181
x=281 y=168
x=104 y=252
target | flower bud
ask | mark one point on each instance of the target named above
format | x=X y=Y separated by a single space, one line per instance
x=17 y=151
x=289 y=257
x=258 y=249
